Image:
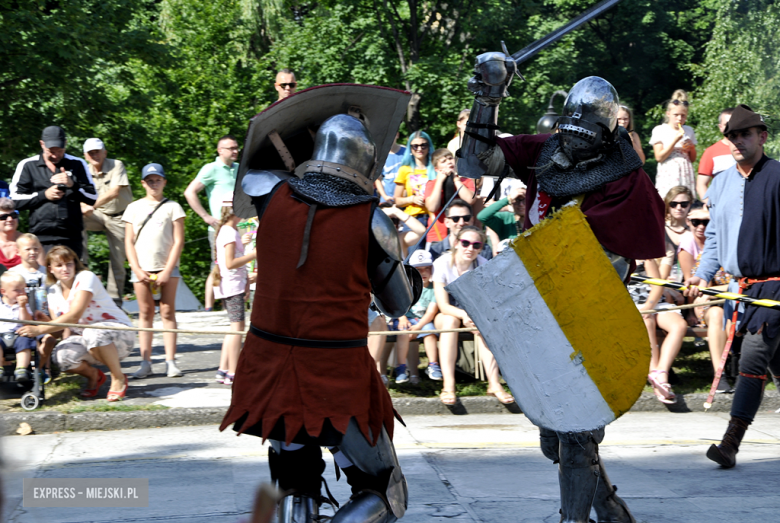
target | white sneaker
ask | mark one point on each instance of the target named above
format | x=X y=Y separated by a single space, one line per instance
x=173 y=370
x=144 y=370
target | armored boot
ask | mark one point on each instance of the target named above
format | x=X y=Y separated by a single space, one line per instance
x=367 y=504
x=725 y=454
x=609 y=507
x=299 y=476
x=578 y=475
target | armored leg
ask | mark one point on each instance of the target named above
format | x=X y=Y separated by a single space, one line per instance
x=299 y=475
x=548 y=440
x=379 y=493
x=578 y=474
x=609 y=507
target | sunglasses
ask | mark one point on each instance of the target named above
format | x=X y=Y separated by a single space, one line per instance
x=477 y=245
x=456 y=219
x=684 y=204
x=291 y=85
x=14 y=215
x=419 y=146
x=678 y=102
x=696 y=222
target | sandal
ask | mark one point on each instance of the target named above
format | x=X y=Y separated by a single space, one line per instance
x=118 y=395
x=502 y=396
x=91 y=393
x=662 y=390
x=448 y=398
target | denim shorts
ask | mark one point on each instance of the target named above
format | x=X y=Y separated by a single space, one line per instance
x=174 y=274
x=414 y=321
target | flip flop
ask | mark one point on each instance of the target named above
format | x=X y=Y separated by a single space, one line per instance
x=502 y=396
x=448 y=398
x=91 y=393
x=116 y=396
x=662 y=390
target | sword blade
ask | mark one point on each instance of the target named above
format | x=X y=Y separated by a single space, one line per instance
x=530 y=51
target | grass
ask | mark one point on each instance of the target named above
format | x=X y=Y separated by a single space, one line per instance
x=62 y=395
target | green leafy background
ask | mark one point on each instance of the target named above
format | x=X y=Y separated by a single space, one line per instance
x=161 y=80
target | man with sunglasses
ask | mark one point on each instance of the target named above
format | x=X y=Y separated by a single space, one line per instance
x=285 y=83
x=458 y=215
x=219 y=180
x=743 y=237
x=52 y=186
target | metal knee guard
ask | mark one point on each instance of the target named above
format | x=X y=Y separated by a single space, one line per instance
x=299 y=474
x=578 y=475
x=548 y=440
x=295 y=508
x=370 y=506
x=610 y=508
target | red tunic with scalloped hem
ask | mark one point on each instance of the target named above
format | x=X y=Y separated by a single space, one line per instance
x=325 y=299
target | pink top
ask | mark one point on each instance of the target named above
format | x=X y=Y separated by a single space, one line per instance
x=688 y=244
x=233 y=281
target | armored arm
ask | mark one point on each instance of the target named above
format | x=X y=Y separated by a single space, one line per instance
x=396 y=287
x=493 y=73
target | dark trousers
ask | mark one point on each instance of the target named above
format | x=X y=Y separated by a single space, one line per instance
x=74 y=243
x=759 y=351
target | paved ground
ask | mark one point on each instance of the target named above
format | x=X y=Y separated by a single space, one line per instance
x=477 y=468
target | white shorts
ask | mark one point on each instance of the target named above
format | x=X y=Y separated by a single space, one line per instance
x=70 y=352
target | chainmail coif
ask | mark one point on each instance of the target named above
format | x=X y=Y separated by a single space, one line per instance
x=329 y=190
x=586 y=176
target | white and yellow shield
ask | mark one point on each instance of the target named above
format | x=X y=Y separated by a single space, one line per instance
x=567 y=336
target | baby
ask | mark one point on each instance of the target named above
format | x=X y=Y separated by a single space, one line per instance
x=13 y=306
x=30 y=250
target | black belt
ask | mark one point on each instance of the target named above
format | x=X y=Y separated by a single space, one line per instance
x=114 y=215
x=312 y=344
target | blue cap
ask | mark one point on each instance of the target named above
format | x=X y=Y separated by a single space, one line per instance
x=152 y=168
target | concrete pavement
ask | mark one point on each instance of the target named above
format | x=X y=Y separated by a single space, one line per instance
x=477 y=468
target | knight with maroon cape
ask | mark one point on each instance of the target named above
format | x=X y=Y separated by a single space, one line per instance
x=589 y=162
x=305 y=378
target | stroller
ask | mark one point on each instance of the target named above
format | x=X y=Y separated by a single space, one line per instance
x=33 y=393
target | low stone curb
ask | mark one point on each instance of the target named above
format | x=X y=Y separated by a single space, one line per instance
x=48 y=422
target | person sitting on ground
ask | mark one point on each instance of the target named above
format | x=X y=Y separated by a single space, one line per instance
x=648 y=297
x=446 y=269
x=14 y=306
x=77 y=296
x=458 y=215
x=414 y=173
x=678 y=204
x=418 y=320
x=9 y=253
x=159 y=223
x=506 y=224
x=439 y=191
x=230 y=279
x=31 y=250
x=710 y=316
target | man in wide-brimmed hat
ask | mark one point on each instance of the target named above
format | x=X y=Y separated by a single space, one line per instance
x=744 y=239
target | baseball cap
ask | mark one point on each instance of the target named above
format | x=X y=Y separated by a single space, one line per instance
x=152 y=168
x=94 y=144
x=421 y=258
x=53 y=136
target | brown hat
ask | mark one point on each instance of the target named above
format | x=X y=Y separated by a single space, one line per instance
x=743 y=118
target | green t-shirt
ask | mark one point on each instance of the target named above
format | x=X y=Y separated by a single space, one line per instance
x=502 y=222
x=419 y=308
x=219 y=180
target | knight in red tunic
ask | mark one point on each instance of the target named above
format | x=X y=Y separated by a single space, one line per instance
x=305 y=378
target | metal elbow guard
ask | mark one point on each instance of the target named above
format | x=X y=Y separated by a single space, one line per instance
x=392 y=284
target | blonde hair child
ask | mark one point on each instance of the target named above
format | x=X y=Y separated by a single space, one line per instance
x=231 y=281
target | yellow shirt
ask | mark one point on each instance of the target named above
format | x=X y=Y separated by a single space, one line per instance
x=414 y=183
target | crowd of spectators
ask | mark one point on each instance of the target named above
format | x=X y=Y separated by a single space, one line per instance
x=67 y=196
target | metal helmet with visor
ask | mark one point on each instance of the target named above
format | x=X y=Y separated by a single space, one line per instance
x=589 y=119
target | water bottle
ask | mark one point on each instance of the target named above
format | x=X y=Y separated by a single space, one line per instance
x=154 y=288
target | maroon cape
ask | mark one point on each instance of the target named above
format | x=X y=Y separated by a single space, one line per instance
x=627 y=215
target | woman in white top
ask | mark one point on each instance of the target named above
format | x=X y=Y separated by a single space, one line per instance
x=674 y=146
x=154 y=238
x=77 y=296
x=463 y=257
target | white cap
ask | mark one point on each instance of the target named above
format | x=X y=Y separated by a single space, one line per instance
x=93 y=144
x=421 y=258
